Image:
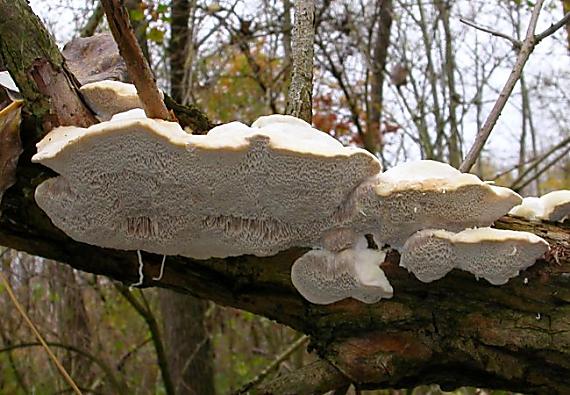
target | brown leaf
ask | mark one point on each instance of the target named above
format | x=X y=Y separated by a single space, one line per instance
x=10 y=144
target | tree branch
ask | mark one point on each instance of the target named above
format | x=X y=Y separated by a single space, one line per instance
x=49 y=89
x=137 y=65
x=316 y=378
x=154 y=330
x=525 y=50
x=115 y=383
x=537 y=162
x=38 y=335
x=273 y=365
x=552 y=29
x=89 y=29
x=516 y=43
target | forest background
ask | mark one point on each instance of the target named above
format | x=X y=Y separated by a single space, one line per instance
x=403 y=79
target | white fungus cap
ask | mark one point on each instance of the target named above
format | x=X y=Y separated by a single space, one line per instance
x=144 y=184
x=531 y=208
x=107 y=98
x=324 y=277
x=493 y=254
x=135 y=113
x=7 y=82
x=554 y=206
x=427 y=194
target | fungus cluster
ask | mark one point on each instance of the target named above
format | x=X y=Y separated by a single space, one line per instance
x=135 y=183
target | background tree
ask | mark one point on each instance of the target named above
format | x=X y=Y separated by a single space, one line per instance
x=238 y=67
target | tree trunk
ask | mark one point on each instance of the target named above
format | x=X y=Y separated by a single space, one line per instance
x=72 y=320
x=187 y=343
x=300 y=95
x=373 y=137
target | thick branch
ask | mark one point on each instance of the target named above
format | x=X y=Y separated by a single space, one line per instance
x=49 y=89
x=137 y=65
x=91 y=26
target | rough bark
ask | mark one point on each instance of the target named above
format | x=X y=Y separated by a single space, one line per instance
x=453 y=146
x=50 y=90
x=300 y=95
x=456 y=331
x=178 y=47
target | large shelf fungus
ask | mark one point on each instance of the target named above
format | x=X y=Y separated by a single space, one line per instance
x=146 y=184
x=493 y=254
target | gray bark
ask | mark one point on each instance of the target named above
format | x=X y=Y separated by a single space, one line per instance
x=300 y=95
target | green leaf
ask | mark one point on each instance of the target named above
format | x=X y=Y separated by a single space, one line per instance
x=136 y=15
x=156 y=35
x=162 y=8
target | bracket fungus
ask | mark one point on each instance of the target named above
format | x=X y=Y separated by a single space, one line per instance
x=143 y=184
x=427 y=194
x=107 y=98
x=325 y=277
x=554 y=206
x=493 y=254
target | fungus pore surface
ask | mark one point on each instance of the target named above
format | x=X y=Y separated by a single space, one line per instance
x=427 y=194
x=324 y=277
x=493 y=254
x=143 y=184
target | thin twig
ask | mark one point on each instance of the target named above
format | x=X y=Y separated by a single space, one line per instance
x=274 y=364
x=539 y=160
x=539 y=173
x=522 y=57
x=552 y=29
x=38 y=335
x=147 y=315
x=102 y=365
x=137 y=65
x=516 y=43
x=89 y=29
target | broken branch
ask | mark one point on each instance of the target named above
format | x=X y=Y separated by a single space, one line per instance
x=137 y=65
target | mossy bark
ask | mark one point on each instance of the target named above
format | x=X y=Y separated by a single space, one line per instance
x=454 y=332
x=37 y=66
